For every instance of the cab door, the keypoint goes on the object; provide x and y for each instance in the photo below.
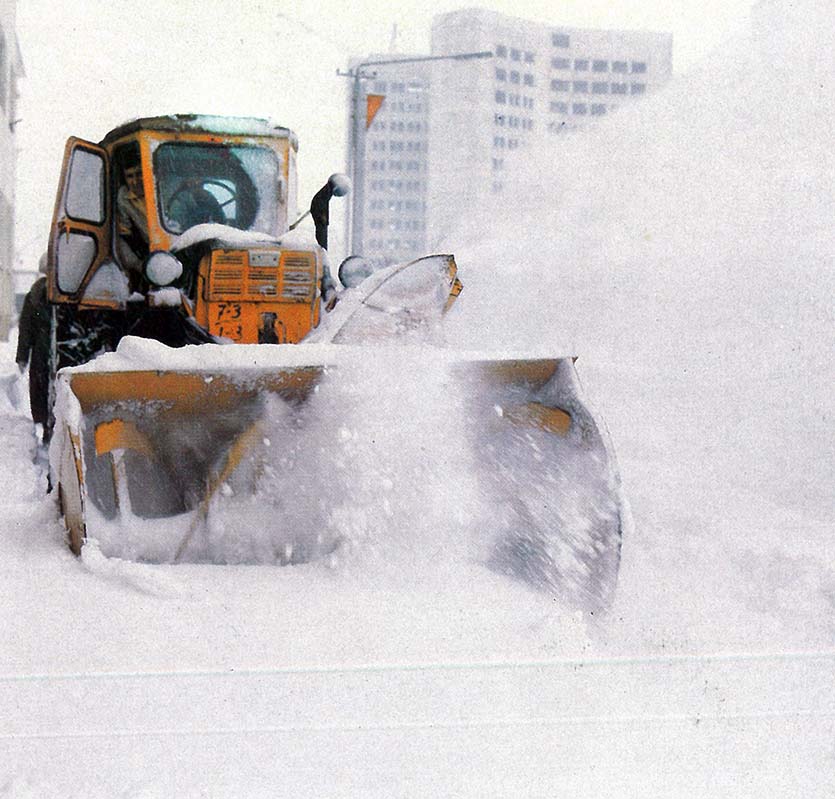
(81, 229)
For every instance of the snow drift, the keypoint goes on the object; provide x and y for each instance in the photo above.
(686, 247)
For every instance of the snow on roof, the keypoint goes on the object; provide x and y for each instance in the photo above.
(202, 123)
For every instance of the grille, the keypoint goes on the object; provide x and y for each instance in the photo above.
(226, 276)
(263, 281)
(259, 274)
(298, 271)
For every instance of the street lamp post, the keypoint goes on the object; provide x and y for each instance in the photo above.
(357, 134)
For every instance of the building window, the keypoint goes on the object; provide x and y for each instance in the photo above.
(579, 108)
(560, 63)
(501, 74)
(620, 66)
(501, 51)
(528, 79)
(600, 88)
(514, 76)
(581, 64)
(600, 66)
(581, 86)
(501, 97)
(560, 40)
(515, 55)
(559, 108)
(638, 88)
(619, 88)
(498, 163)
(557, 127)
(529, 57)
(560, 85)
(498, 141)
(598, 109)
(639, 67)
(527, 102)
(499, 119)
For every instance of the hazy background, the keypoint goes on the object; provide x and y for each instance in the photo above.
(92, 65)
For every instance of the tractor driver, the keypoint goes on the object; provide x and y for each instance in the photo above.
(131, 216)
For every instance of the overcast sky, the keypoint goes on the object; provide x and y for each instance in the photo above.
(93, 64)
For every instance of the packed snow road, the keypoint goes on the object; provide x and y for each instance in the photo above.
(446, 679)
(737, 726)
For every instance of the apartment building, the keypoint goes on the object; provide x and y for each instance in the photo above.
(544, 81)
(388, 121)
(476, 119)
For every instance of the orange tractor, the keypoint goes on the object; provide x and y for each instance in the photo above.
(181, 230)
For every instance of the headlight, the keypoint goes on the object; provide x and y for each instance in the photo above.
(353, 270)
(162, 268)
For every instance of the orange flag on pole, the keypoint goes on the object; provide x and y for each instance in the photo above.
(373, 103)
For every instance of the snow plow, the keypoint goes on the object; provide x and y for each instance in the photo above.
(219, 398)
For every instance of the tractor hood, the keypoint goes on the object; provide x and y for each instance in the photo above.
(227, 237)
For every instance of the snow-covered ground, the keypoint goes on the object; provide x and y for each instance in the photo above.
(694, 278)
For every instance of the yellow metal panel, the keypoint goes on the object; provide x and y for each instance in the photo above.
(238, 298)
(189, 392)
(119, 434)
(533, 414)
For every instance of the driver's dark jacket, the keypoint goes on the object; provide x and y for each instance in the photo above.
(33, 343)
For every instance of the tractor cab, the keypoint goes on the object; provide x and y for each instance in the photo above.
(198, 204)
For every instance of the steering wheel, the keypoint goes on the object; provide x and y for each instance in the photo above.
(191, 203)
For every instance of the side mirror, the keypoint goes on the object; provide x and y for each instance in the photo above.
(338, 185)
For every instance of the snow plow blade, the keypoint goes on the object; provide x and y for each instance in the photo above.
(153, 463)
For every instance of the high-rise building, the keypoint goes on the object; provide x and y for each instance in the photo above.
(11, 70)
(543, 82)
(452, 130)
(389, 132)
